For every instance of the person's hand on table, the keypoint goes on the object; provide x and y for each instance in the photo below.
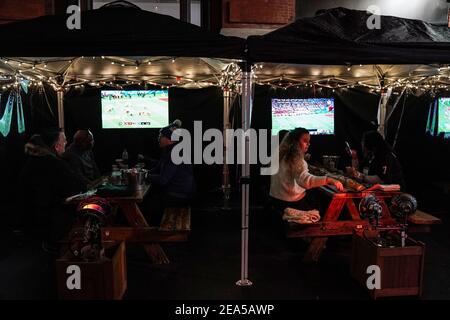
(351, 171)
(336, 183)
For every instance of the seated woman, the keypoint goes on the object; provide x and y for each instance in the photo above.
(288, 186)
(380, 164)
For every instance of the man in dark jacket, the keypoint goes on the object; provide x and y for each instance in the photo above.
(45, 181)
(80, 157)
(380, 164)
(172, 184)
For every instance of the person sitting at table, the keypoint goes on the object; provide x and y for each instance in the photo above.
(80, 157)
(172, 185)
(288, 187)
(45, 181)
(380, 165)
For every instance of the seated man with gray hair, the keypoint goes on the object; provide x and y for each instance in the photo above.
(80, 157)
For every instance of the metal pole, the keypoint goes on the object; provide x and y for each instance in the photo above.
(60, 98)
(185, 10)
(245, 176)
(385, 95)
(226, 188)
(205, 12)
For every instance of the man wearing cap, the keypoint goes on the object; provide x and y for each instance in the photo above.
(172, 184)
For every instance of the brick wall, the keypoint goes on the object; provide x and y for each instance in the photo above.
(15, 10)
(257, 13)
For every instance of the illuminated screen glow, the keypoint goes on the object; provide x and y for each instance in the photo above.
(123, 109)
(316, 115)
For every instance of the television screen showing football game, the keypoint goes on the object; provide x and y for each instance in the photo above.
(444, 115)
(123, 109)
(316, 115)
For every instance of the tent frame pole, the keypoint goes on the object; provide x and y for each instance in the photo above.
(245, 175)
(385, 95)
(60, 99)
(226, 187)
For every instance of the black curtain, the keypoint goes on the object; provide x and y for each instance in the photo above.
(39, 113)
(424, 158)
(83, 110)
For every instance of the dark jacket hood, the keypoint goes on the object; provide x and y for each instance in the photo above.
(37, 150)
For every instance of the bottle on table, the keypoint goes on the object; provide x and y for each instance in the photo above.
(125, 157)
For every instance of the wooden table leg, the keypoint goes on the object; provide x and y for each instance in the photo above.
(318, 244)
(133, 214)
(354, 213)
(136, 219)
(315, 249)
(156, 253)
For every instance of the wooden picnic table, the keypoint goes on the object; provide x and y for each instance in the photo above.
(138, 229)
(334, 223)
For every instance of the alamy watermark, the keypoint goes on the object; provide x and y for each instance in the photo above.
(374, 21)
(257, 142)
(374, 280)
(73, 281)
(74, 20)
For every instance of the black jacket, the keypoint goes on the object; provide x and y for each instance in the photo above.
(82, 163)
(387, 167)
(174, 179)
(45, 181)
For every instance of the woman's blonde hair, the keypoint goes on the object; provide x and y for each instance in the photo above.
(290, 152)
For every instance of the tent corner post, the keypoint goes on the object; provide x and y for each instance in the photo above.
(60, 100)
(245, 175)
(226, 187)
(382, 108)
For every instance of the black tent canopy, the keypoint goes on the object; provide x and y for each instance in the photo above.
(341, 36)
(115, 31)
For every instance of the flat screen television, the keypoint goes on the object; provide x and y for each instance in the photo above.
(444, 116)
(316, 115)
(129, 109)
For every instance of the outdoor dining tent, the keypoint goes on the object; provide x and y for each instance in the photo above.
(117, 45)
(338, 53)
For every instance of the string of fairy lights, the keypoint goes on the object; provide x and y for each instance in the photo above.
(39, 72)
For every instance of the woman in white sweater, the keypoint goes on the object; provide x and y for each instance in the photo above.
(288, 186)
